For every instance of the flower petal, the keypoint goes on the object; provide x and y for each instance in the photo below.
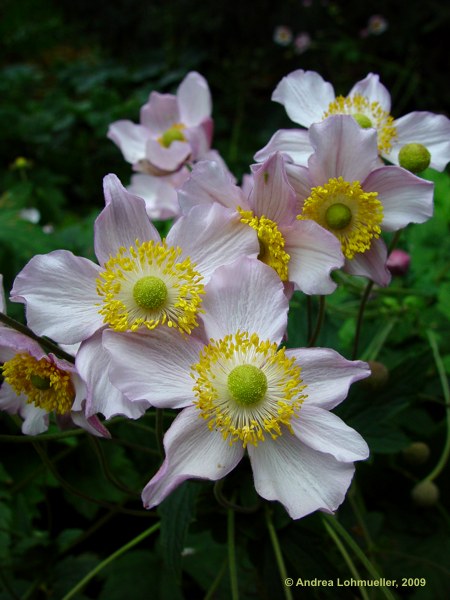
(327, 374)
(35, 420)
(59, 291)
(405, 197)
(245, 296)
(123, 220)
(212, 237)
(314, 253)
(373, 90)
(192, 451)
(323, 431)
(194, 99)
(371, 264)
(168, 159)
(428, 129)
(160, 113)
(301, 478)
(93, 363)
(2, 296)
(159, 195)
(342, 149)
(293, 142)
(305, 95)
(130, 138)
(154, 367)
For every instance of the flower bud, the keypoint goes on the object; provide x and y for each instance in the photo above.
(398, 262)
(417, 453)
(378, 377)
(425, 493)
(414, 157)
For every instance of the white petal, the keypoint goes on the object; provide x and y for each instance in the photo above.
(194, 99)
(301, 478)
(245, 296)
(123, 221)
(300, 179)
(35, 420)
(405, 197)
(212, 237)
(2, 296)
(342, 149)
(373, 90)
(305, 95)
(159, 195)
(371, 264)
(154, 367)
(327, 375)
(323, 431)
(428, 129)
(293, 142)
(314, 253)
(9, 400)
(93, 363)
(59, 290)
(192, 451)
(130, 138)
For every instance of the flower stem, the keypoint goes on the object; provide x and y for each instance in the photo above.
(278, 555)
(46, 344)
(359, 321)
(446, 391)
(80, 585)
(320, 317)
(232, 554)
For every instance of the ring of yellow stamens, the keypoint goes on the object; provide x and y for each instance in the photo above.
(173, 134)
(271, 242)
(246, 388)
(148, 285)
(345, 209)
(367, 114)
(44, 384)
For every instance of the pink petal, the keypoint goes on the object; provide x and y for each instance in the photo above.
(159, 195)
(160, 113)
(371, 264)
(314, 252)
(123, 221)
(293, 142)
(59, 291)
(194, 99)
(327, 375)
(371, 88)
(192, 452)
(302, 479)
(245, 296)
(130, 138)
(2, 296)
(305, 95)
(300, 179)
(168, 159)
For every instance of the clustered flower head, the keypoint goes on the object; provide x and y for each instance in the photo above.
(197, 321)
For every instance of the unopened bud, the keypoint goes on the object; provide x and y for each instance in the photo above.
(414, 157)
(378, 377)
(417, 453)
(425, 493)
(398, 262)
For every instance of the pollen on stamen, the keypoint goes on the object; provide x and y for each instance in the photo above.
(41, 381)
(247, 388)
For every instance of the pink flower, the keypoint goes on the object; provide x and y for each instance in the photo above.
(345, 190)
(398, 262)
(140, 282)
(309, 99)
(173, 129)
(302, 42)
(244, 393)
(300, 252)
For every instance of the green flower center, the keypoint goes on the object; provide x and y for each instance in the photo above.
(338, 216)
(174, 134)
(414, 157)
(247, 384)
(363, 120)
(40, 383)
(150, 292)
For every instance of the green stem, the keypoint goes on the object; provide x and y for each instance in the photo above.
(446, 391)
(232, 554)
(278, 554)
(159, 431)
(229, 504)
(46, 344)
(341, 531)
(43, 437)
(345, 555)
(106, 470)
(80, 585)
(215, 584)
(359, 321)
(320, 317)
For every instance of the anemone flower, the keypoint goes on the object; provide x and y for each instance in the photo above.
(246, 395)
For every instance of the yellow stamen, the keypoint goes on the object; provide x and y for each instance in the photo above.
(363, 213)
(44, 384)
(173, 134)
(271, 242)
(134, 269)
(365, 112)
(275, 401)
